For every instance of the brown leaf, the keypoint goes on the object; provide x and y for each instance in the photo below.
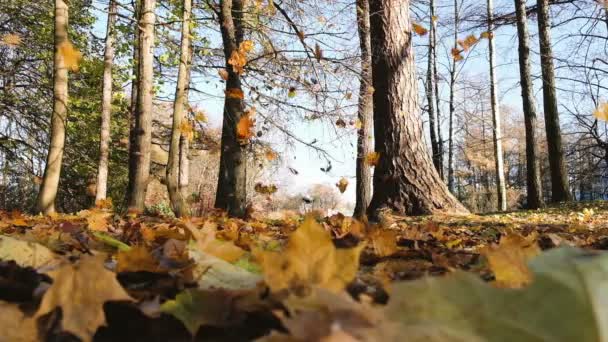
(80, 291)
(16, 326)
(342, 184)
(234, 93)
(419, 29)
(10, 39)
(318, 52)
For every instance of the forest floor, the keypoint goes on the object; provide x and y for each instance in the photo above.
(99, 276)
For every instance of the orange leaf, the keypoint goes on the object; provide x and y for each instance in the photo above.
(244, 129)
(342, 184)
(234, 93)
(270, 155)
(246, 46)
(238, 61)
(136, 259)
(223, 74)
(372, 158)
(71, 56)
(456, 54)
(419, 29)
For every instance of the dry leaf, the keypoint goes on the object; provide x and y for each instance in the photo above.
(419, 29)
(486, 35)
(318, 52)
(234, 93)
(223, 74)
(372, 159)
(601, 113)
(456, 54)
(341, 123)
(383, 241)
(97, 220)
(270, 155)
(342, 184)
(15, 325)
(238, 61)
(207, 242)
(265, 189)
(81, 291)
(508, 260)
(244, 128)
(71, 56)
(136, 259)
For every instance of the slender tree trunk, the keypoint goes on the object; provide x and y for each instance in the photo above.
(452, 104)
(134, 80)
(405, 180)
(533, 179)
(106, 105)
(559, 176)
(501, 189)
(430, 93)
(139, 159)
(232, 183)
(437, 97)
(178, 202)
(366, 108)
(52, 170)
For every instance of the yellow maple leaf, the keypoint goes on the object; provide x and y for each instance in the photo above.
(136, 259)
(372, 158)
(207, 242)
(200, 116)
(80, 291)
(11, 40)
(238, 62)
(309, 259)
(342, 184)
(71, 56)
(419, 29)
(601, 113)
(508, 260)
(358, 124)
(97, 219)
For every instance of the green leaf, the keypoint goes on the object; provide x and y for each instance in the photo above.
(110, 241)
(567, 301)
(197, 307)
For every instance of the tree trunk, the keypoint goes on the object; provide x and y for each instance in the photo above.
(52, 170)
(106, 105)
(405, 180)
(135, 73)
(559, 176)
(501, 189)
(366, 107)
(178, 202)
(452, 104)
(437, 97)
(430, 93)
(533, 179)
(139, 156)
(232, 183)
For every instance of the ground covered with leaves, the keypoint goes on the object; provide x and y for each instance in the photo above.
(98, 276)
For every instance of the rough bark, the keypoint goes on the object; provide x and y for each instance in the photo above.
(533, 180)
(557, 165)
(139, 156)
(106, 105)
(365, 112)
(501, 189)
(176, 153)
(405, 180)
(430, 93)
(52, 170)
(451, 183)
(232, 183)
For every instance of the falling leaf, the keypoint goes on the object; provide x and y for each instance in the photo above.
(265, 189)
(270, 155)
(187, 130)
(372, 159)
(348, 95)
(601, 113)
(11, 40)
(200, 116)
(246, 46)
(310, 258)
(456, 54)
(508, 260)
(468, 42)
(434, 18)
(244, 128)
(486, 35)
(341, 123)
(342, 184)
(358, 124)
(238, 61)
(292, 92)
(318, 52)
(419, 29)
(136, 259)
(71, 56)
(371, 90)
(234, 93)
(223, 74)
(80, 291)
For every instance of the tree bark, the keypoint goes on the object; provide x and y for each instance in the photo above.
(437, 97)
(52, 170)
(559, 176)
(176, 153)
(139, 156)
(430, 93)
(232, 183)
(106, 105)
(451, 184)
(405, 180)
(501, 189)
(365, 112)
(533, 180)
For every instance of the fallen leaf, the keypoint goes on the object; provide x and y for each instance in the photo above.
(207, 242)
(80, 291)
(26, 253)
(383, 241)
(508, 260)
(97, 220)
(15, 325)
(136, 259)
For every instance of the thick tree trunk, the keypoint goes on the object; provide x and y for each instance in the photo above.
(232, 183)
(559, 176)
(52, 170)
(451, 184)
(176, 154)
(430, 94)
(106, 105)
(501, 189)
(533, 180)
(405, 180)
(139, 156)
(366, 107)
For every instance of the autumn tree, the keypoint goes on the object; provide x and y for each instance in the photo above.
(232, 183)
(365, 112)
(559, 176)
(177, 154)
(106, 104)
(533, 178)
(405, 180)
(52, 171)
(139, 152)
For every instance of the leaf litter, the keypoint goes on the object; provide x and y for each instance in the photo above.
(98, 276)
